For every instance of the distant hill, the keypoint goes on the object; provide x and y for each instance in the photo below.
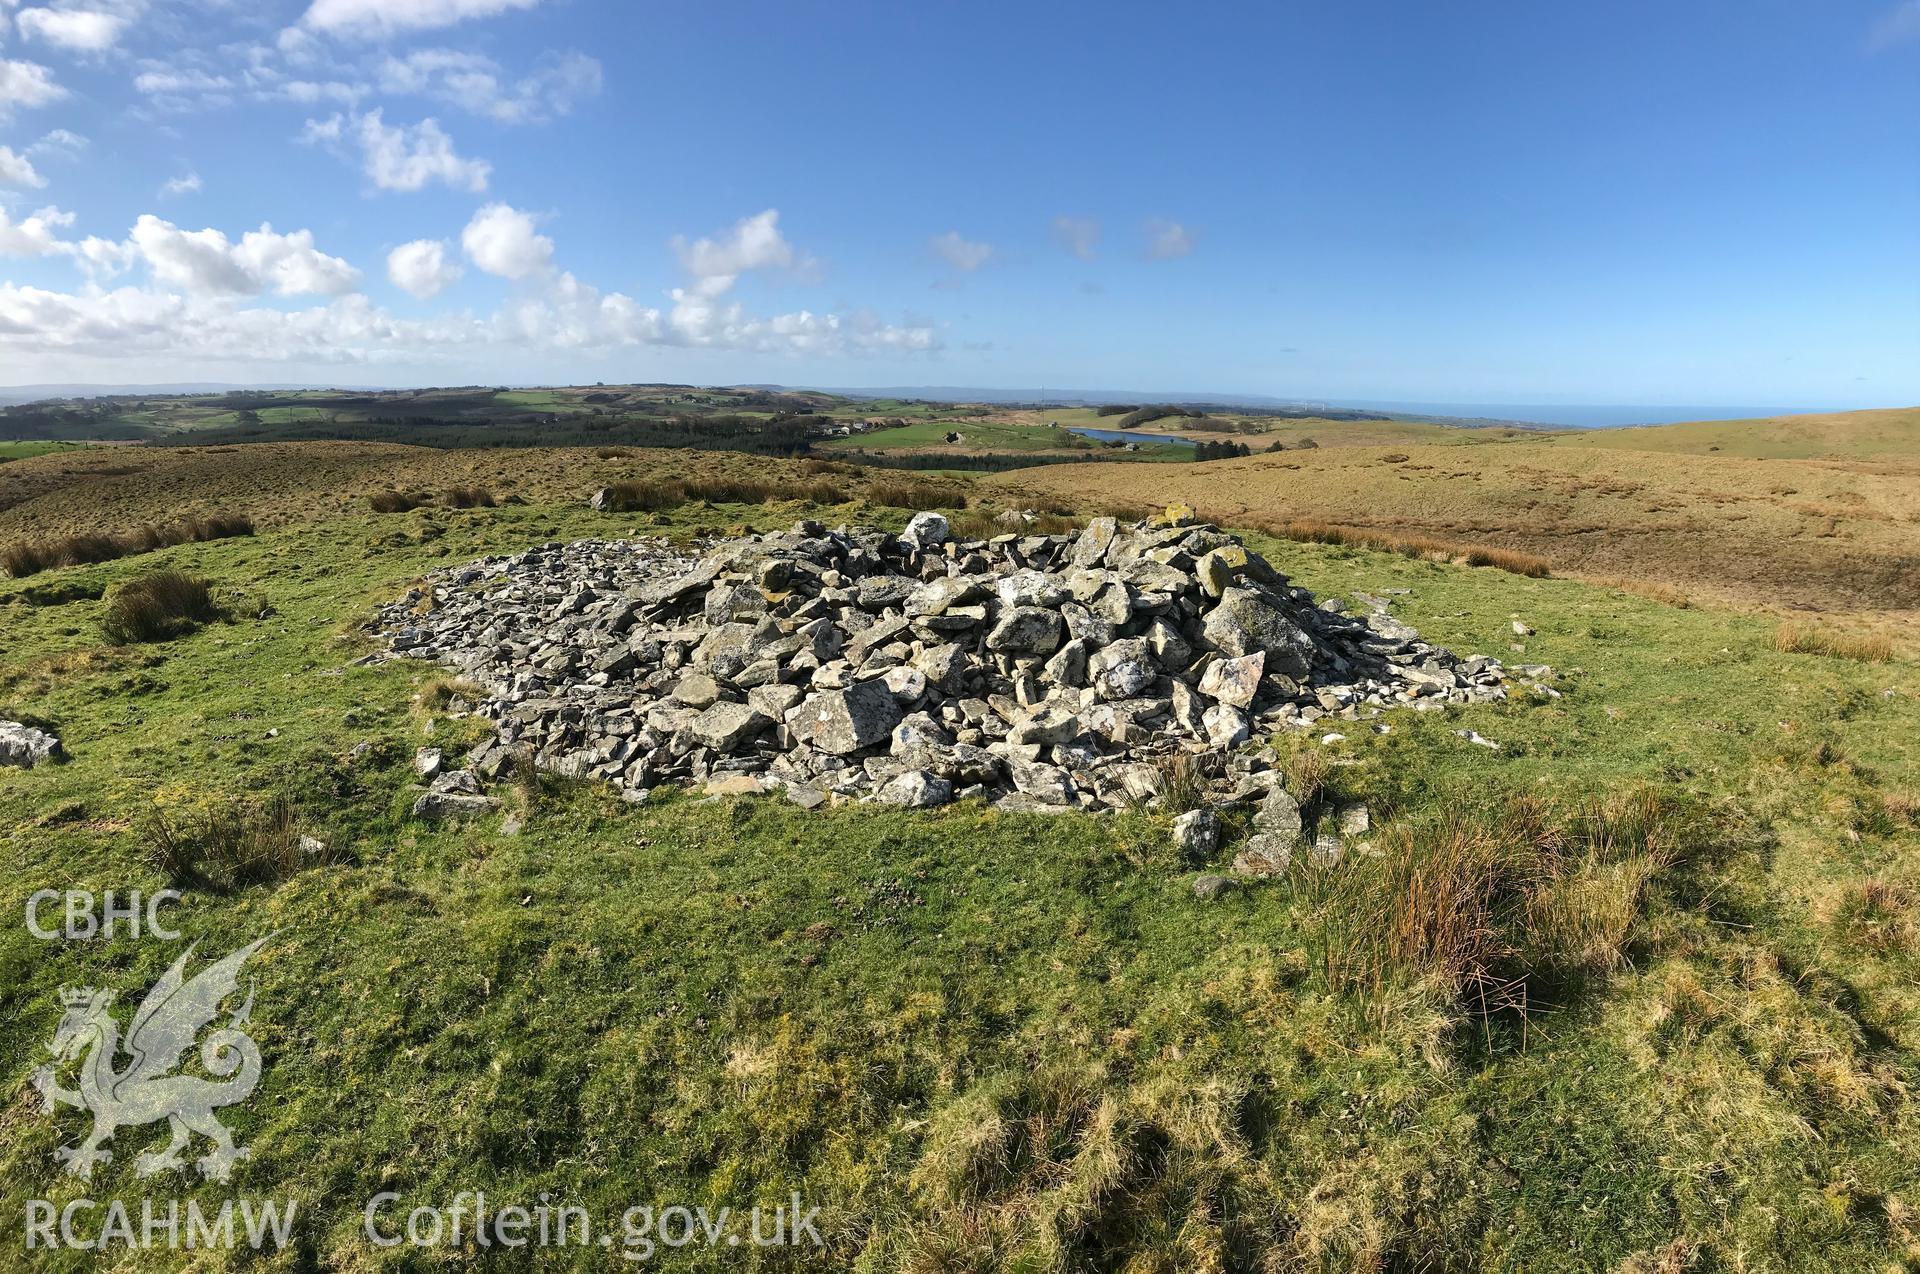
(41, 393)
(1083, 397)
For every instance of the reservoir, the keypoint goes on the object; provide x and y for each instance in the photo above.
(1116, 435)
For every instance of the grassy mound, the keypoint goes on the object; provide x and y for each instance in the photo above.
(1637, 989)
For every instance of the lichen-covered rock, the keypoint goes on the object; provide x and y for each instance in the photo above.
(1045, 783)
(725, 726)
(1279, 815)
(1234, 681)
(1263, 855)
(916, 789)
(841, 722)
(1245, 621)
(1122, 670)
(926, 529)
(1226, 726)
(1207, 888)
(1048, 723)
(696, 690)
(1026, 630)
(441, 806)
(1196, 834)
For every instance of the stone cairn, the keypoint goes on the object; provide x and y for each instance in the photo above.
(1035, 672)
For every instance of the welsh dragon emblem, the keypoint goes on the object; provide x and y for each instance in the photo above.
(145, 1090)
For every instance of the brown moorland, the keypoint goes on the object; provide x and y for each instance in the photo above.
(1833, 535)
(286, 483)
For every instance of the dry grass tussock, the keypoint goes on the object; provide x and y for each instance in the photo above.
(1314, 532)
(157, 607)
(30, 556)
(1806, 639)
(441, 689)
(228, 843)
(915, 493)
(460, 497)
(1183, 785)
(1880, 916)
(813, 482)
(661, 494)
(981, 522)
(1493, 908)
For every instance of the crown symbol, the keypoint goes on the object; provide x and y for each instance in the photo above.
(76, 997)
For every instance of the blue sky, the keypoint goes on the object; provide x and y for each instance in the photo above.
(1710, 202)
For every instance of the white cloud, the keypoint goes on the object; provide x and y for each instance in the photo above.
(754, 243)
(1897, 26)
(312, 91)
(1168, 240)
(126, 323)
(1078, 235)
(962, 254)
(701, 317)
(198, 261)
(291, 265)
(18, 170)
(476, 83)
(82, 30)
(328, 130)
(205, 263)
(502, 241)
(189, 184)
(60, 141)
(421, 268)
(375, 18)
(196, 307)
(569, 314)
(100, 258)
(116, 325)
(34, 235)
(396, 157)
(26, 84)
(160, 80)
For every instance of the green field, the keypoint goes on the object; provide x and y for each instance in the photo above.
(982, 1041)
(979, 436)
(20, 450)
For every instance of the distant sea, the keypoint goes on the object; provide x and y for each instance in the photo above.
(1578, 415)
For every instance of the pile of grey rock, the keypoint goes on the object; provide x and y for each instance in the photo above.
(23, 746)
(1036, 672)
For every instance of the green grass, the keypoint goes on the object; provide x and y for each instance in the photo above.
(539, 400)
(981, 1041)
(21, 450)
